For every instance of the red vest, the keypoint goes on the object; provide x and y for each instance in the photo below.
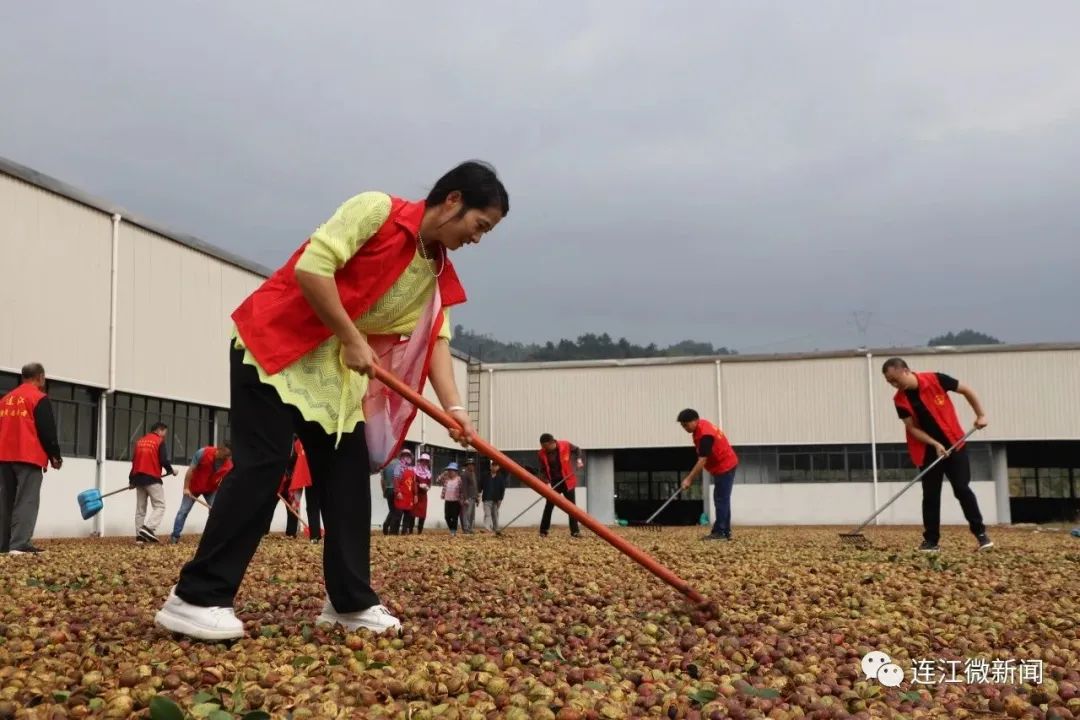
(278, 325)
(722, 458)
(405, 489)
(204, 478)
(419, 508)
(939, 406)
(146, 459)
(301, 474)
(18, 433)
(564, 463)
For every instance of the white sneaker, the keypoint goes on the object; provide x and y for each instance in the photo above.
(203, 623)
(376, 619)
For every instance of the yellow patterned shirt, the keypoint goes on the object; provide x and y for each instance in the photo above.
(317, 384)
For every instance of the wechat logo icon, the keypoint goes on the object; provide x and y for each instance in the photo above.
(878, 666)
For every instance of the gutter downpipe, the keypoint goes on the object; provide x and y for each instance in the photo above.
(103, 401)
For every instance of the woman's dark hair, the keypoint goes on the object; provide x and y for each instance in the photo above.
(478, 184)
(547, 437)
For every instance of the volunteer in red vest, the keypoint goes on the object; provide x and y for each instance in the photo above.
(404, 499)
(423, 486)
(208, 468)
(298, 479)
(556, 468)
(150, 457)
(718, 458)
(932, 427)
(28, 445)
(370, 286)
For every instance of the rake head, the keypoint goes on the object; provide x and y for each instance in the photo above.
(646, 525)
(856, 539)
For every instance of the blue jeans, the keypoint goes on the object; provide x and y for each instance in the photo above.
(721, 494)
(186, 503)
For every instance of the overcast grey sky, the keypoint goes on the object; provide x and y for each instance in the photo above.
(746, 173)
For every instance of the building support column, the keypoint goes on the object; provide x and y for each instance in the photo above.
(999, 471)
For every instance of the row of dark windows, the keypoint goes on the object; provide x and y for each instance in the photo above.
(793, 464)
(128, 417)
(1059, 482)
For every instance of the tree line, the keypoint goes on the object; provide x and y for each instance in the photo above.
(592, 346)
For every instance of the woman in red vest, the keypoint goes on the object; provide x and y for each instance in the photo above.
(555, 460)
(404, 499)
(423, 485)
(208, 468)
(28, 445)
(715, 455)
(932, 427)
(371, 286)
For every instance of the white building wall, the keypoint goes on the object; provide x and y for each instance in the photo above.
(54, 284)
(1027, 395)
(599, 407)
(846, 504)
(796, 401)
(173, 327)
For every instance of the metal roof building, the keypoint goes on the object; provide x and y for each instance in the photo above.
(131, 321)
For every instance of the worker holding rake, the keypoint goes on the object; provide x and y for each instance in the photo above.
(715, 455)
(932, 427)
(368, 290)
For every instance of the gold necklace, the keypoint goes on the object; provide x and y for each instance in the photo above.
(423, 251)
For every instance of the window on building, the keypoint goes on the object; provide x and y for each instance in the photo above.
(131, 416)
(74, 410)
(1023, 482)
(224, 430)
(894, 464)
(632, 484)
(8, 382)
(794, 466)
(1054, 482)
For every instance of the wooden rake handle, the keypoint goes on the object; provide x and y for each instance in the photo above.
(629, 549)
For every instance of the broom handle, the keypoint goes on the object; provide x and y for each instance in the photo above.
(114, 492)
(633, 552)
(293, 511)
(665, 504)
(915, 480)
(530, 506)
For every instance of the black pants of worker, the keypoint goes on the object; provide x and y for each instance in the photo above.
(956, 467)
(292, 523)
(451, 511)
(391, 514)
(545, 521)
(262, 429)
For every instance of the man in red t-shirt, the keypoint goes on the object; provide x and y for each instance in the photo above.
(932, 427)
(715, 455)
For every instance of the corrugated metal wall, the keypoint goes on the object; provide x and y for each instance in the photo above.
(54, 282)
(811, 401)
(1030, 395)
(796, 401)
(172, 320)
(600, 407)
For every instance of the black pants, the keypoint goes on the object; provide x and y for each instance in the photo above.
(388, 495)
(314, 526)
(451, 511)
(262, 429)
(419, 526)
(545, 521)
(957, 467)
